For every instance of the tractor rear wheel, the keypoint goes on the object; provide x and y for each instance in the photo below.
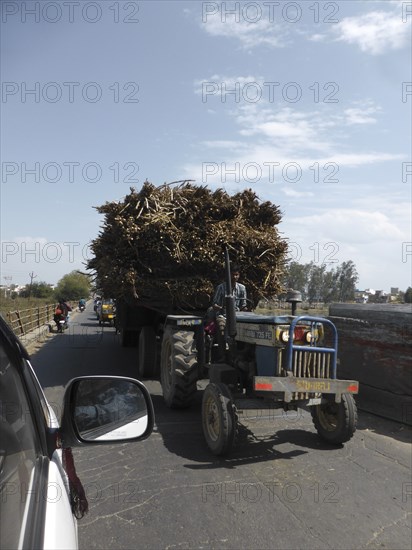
(147, 355)
(336, 422)
(178, 368)
(219, 418)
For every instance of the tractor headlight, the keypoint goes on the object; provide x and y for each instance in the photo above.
(312, 336)
(284, 336)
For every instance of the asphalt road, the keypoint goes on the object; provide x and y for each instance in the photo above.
(282, 488)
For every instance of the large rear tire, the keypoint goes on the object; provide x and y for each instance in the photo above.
(219, 419)
(336, 422)
(178, 368)
(147, 355)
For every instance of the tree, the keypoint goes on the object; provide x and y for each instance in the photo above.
(408, 295)
(330, 290)
(37, 290)
(296, 277)
(347, 277)
(316, 282)
(73, 286)
(319, 285)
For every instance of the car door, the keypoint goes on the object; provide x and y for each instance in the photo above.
(34, 507)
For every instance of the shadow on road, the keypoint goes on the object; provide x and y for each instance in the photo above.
(182, 434)
(81, 350)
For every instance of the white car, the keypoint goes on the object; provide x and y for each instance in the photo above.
(37, 497)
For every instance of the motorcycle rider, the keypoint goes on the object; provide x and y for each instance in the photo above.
(82, 304)
(62, 313)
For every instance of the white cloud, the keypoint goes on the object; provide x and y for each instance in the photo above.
(248, 32)
(222, 144)
(47, 260)
(375, 32)
(286, 130)
(372, 239)
(317, 38)
(217, 84)
(361, 115)
(351, 226)
(335, 217)
(296, 194)
(360, 159)
(290, 136)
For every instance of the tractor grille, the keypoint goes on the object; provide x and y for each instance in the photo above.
(311, 364)
(306, 365)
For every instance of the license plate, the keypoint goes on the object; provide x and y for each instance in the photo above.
(312, 386)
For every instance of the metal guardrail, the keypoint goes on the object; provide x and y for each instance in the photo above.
(27, 320)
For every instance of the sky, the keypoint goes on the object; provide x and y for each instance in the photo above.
(308, 103)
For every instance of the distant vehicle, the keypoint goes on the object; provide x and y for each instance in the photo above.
(97, 302)
(35, 500)
(106, 312)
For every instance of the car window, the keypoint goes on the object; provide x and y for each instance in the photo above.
(19, 449)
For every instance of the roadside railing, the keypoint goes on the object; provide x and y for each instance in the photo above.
(27, 320)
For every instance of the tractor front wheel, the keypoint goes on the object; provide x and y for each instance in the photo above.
(336, 422)
(219, 418)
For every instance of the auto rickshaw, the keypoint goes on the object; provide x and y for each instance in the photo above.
(107, 312)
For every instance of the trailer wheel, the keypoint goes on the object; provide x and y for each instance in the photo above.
(147, 355)
(219, 419)
(336, 422)
(178, 368)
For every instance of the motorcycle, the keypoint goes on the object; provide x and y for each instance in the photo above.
(82, 307)
(61, 322)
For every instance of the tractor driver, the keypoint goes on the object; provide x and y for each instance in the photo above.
(218, 307)
(238, 290)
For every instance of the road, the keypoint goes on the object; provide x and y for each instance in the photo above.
(282, 488)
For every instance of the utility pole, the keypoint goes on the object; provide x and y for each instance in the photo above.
(7, 286)
(32, 276)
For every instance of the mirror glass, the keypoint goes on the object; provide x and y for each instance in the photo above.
(108, 409)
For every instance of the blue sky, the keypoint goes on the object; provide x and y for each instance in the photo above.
(308, 103)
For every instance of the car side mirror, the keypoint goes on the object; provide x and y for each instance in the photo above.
(106, 409)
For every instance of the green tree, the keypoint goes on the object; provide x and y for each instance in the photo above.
(39, 289)
(330, 288)
(73, 286)
(316, 282)
(346, 279)
(296, 276)
(408, 295)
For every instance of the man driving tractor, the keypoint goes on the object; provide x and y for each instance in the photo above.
(218, 307)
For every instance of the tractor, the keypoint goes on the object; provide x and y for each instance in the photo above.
(271, 362)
